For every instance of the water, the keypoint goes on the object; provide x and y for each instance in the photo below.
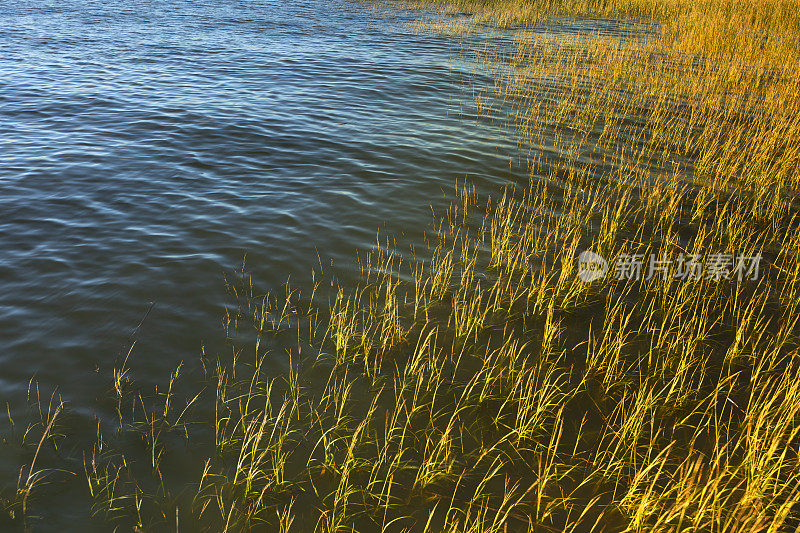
(146, 147)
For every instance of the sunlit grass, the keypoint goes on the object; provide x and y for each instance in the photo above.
(489, 388)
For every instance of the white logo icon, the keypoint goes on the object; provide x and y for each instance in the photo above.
(591, 266)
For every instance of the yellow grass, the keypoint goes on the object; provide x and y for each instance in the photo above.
(490, 388)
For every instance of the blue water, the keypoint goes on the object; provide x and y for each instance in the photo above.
(147, 147)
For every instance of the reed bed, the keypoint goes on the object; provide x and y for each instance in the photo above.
(488, 386)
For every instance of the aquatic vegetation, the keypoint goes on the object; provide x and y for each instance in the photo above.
(492, 387)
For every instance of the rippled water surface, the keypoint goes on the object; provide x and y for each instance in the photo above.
(146, 147)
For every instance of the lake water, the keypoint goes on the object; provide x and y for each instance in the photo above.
(148, 146)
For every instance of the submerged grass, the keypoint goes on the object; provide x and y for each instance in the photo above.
(490, 388)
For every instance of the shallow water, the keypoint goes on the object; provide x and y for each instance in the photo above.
(147, 147)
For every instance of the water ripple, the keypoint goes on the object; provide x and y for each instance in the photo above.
(148, 145)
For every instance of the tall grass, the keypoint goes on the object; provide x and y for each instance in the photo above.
(490, 388)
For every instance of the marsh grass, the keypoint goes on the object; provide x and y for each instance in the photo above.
(486, 387)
